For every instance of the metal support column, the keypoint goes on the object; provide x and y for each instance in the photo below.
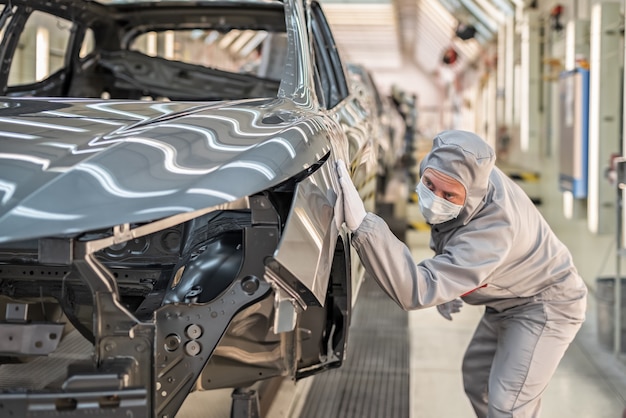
(245, 404)
(620, 169)
(617, 306)
(605, 113)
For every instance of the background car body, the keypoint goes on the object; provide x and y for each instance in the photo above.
(388, 122)
(192, 240)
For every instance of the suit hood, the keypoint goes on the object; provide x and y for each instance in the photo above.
(467, 158)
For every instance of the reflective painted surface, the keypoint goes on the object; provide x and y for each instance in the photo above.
(97, 164)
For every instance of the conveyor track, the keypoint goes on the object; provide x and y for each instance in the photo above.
(374, 379)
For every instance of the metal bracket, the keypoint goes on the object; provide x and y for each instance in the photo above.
(187, 335)
(76, 403)
(286, 313)
(29, 339)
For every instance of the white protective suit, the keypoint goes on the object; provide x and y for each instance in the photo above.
(501, 253)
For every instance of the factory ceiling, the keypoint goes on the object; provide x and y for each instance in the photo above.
(386, 35)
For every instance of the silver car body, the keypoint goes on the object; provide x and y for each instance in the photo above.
(193, 244)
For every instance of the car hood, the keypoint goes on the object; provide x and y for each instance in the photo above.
(70, 166)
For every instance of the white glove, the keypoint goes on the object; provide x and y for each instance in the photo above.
(339, 208)
(353, 208)
(447, 309)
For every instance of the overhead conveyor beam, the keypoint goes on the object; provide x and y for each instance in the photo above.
(459, 7)
(504, 6)
(436, 13)
(478, 13)
(498, 15)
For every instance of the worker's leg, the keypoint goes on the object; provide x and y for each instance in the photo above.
(477, 364)
(531, 342)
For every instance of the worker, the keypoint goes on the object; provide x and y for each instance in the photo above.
(491, 247)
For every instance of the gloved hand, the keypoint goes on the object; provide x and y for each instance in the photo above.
(447, 309)
(353, 208)
(339, 208)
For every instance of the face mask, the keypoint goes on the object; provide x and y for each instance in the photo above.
(435, 209)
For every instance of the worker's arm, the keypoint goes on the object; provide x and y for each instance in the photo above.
(388, 259)
(459, 269)
(465, 263)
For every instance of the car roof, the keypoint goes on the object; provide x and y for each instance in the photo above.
(129, 6)
(159, 3)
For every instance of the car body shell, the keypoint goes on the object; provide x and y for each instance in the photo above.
(388, 122)
(195, 244)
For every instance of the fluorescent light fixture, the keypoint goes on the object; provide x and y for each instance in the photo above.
(151, 47)
(568, 204)
(42, 53)
(525, 92)
(593, 170)
(169, 45)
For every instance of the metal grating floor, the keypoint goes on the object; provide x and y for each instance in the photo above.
(40, 372)
(373, 382)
